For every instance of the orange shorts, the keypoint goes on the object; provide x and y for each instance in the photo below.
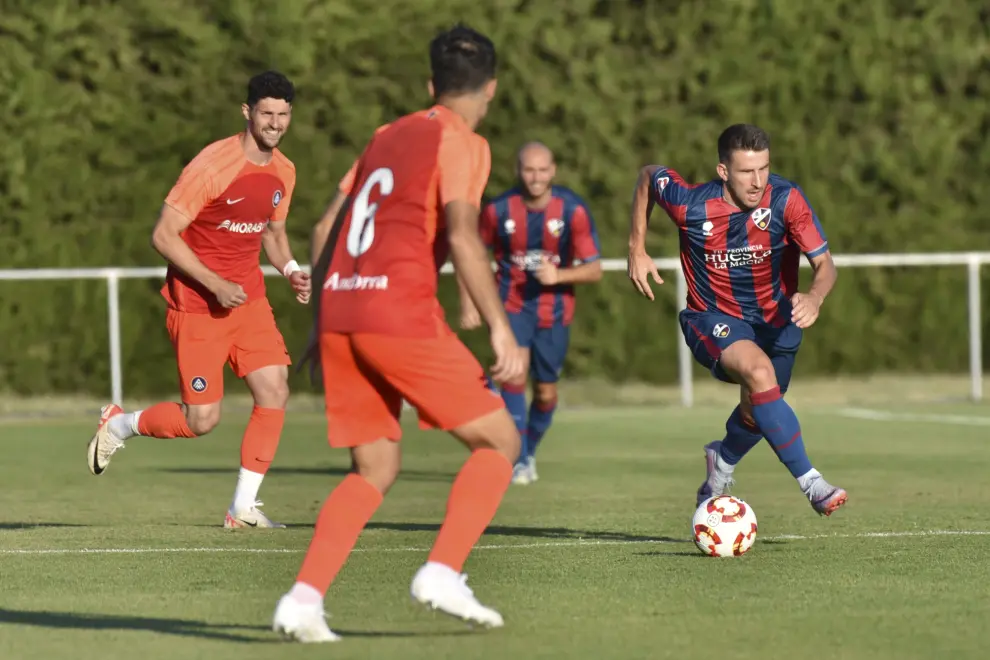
(247, 338)
(366, 377)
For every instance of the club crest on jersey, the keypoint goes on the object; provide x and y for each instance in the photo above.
(276, 198)
(721, 330)
(198, 384)
(662, 182)
(510, 226)
(761, 218)
(555, 226)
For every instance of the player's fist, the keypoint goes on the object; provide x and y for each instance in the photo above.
(546, 273)
(640, 266)
(470, 317)
(302, 285)
(804, 309)
(510, 359)
(230, 295)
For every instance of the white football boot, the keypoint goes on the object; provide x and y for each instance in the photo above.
(302, 622)
(252, 517)
(104, 442)
(718, 474)
(441, 588)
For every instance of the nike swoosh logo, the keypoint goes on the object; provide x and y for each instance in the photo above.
(234, 201)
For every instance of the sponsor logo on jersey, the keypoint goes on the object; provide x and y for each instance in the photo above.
(242, 227)
(356, 282)
(738, 257)
(533, 259)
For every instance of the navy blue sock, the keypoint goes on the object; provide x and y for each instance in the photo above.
(540, 418)
(781, 428)
(740, 437)
(515, 402)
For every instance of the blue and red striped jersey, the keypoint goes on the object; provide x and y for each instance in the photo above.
(740, 263)
(520, 236)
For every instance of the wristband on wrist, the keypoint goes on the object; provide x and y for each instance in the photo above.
(291, 268)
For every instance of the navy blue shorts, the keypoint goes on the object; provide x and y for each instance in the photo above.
(547, 346)
(709, 333)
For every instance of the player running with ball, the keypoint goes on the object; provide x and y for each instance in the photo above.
(741, 238)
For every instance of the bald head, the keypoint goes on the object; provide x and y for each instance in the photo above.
(536, 169)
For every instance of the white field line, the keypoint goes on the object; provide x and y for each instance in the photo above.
(500, 546)
(884, 416)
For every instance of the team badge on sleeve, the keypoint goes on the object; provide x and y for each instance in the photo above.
(276, 198)
(721, 330)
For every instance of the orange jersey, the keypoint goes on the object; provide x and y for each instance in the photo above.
(230, 201)
(382, 278)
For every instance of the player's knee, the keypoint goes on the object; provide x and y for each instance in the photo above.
(750, 365)
(378, 463)
(494, 431)
(203, 419)
(277, 395)
(379, 475)
(545, 394)
(760, 376)
(270, 387)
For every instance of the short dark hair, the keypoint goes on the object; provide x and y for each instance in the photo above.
(270, 85)
(741, 137)
(462, 60)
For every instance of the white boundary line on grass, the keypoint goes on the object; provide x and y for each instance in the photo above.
(500, 546)
(885, 416)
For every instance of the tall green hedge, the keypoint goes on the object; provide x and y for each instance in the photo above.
(877, 108)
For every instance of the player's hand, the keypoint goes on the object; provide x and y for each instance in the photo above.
(470, 317)
(547, 273)
(510, 359)
(640, 266)
(230, 295)
(804, 309)
(302, 285)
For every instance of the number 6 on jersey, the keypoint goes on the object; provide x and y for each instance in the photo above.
(361, 234)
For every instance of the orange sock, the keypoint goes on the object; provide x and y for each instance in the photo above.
(261, 438)
(164, 420)
(474, 499)
(341, 520)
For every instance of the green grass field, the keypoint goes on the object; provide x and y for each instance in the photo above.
(593, 561)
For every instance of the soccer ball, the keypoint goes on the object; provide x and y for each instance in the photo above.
(724, 526)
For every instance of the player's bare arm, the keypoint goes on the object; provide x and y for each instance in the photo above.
(470, 316)
(166, 239)
(805, 306)
(550, 275)
(640, 265)
(275, 242)
(321, 231)
(470, 258)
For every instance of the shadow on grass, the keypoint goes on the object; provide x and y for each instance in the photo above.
(327, 471)
(185, 627)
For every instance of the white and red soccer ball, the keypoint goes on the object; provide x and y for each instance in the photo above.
(724, 526)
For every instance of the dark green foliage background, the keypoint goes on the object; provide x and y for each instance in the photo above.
(878, 109)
